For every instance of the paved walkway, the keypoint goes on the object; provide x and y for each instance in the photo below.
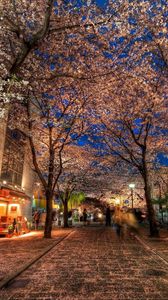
(92, 263)
(17, 251)
(157, 244)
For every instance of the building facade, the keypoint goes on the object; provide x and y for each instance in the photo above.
(16, 177)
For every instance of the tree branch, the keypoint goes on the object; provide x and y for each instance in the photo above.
(27, 46)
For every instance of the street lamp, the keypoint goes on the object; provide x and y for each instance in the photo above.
(132, 186)
(117, 201)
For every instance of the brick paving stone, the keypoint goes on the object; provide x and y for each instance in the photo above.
(92, 263)
(158, 244)
(15, 252)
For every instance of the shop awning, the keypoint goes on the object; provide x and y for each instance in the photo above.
(9, 193)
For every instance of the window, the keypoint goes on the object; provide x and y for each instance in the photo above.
(13, 208)
(13, 158)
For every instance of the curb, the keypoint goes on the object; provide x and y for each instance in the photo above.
(6, 281)
(148, 248)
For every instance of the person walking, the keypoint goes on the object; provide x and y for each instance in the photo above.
(108, 216)
(15, 229)
(118, 221)
(36, 219)
(131, 222)
(85, 217)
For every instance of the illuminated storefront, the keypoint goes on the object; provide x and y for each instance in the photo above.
(15, 207)
(16, 181)
(13, 204)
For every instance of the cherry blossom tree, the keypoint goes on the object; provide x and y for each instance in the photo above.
(58, 39)
(55, 39)
(160, 181)
(51, 124)
(133, 130)
(68, 196)
(52, 45)
(42, 42)
(73, 175)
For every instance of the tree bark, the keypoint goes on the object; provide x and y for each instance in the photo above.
(48, 222)
(27, 46)
(151, 213)
(65, 203)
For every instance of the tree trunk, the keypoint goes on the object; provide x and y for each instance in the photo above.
(48, 222)
(65, 203)
(151, 213)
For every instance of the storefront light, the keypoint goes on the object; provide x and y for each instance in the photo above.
(4, 182)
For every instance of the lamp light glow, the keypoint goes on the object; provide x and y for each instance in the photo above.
(132, 185)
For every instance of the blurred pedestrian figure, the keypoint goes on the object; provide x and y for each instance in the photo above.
(85, 217)
(131, 221)
(36, 219)
(108, 216)
(118, 221)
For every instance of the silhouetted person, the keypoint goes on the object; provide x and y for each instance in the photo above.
(15, 226)
(36, 219)
(138, 215)
(54, 215)
(84, 216)
(108, 216)
(69, 214)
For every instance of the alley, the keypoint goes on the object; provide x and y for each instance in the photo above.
(93, 263)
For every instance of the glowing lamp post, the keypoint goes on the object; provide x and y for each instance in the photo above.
(117, 202)
(132, 186)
